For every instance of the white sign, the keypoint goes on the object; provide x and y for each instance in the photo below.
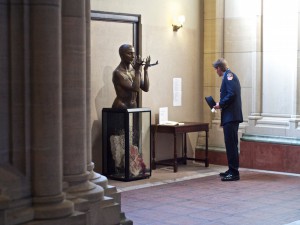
(177, 91)
(163, 115)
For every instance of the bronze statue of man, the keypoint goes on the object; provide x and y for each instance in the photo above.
(127, 78)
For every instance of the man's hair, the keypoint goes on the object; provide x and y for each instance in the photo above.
(123, 48)
(222, 63)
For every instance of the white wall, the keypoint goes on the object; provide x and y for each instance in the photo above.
(280, 55)
(178, 53)
(279, 97)
(259, 39)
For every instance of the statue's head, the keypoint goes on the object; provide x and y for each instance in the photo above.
(127, 52)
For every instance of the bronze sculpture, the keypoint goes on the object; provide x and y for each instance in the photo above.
(127, 77)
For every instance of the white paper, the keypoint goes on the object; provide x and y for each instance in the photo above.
(163, 115)
(177, 91)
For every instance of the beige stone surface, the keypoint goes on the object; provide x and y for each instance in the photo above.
(213, 35)
(240, 35)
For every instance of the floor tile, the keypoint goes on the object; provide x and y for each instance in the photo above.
(199, 197)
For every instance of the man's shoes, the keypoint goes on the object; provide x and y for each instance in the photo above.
(224, 174)
(230, 177)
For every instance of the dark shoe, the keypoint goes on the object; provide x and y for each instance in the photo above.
(230, 177)
(224, 174)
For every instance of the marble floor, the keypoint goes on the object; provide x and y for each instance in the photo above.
(195, 195)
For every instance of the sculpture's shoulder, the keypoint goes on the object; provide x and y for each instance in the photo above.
(118, 71)
(120, 74)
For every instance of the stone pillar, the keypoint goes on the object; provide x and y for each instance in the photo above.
(75, 105)
(18, 73)
(295, 117)
(4, 84)
(90, 165)
(275, 112)
(213, 49)
(256, 107)
(94, 177)
(46, 115)
(15, 189)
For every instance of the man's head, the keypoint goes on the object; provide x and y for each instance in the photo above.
(127, 53)
(220, 66)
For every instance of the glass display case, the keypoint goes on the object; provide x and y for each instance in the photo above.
(126, 143)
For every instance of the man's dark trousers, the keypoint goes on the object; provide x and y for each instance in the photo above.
(231, 143)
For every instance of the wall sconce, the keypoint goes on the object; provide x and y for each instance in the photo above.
(180, 20)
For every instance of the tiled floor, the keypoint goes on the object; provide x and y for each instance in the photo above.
(196, 196)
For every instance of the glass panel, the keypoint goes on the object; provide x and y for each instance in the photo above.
(139, 152)
(145, 140)
(116, 143)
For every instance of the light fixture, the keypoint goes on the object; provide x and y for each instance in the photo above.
(180, 20)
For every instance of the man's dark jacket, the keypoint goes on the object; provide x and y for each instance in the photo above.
(230, 99)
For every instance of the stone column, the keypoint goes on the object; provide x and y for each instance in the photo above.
(90, 164)
(214, 22)
(15, 189)
(257, 70)
(295, 117)
(94, 177)
(4, 84)
(46, 115)
(75, 104)
(18, 71)
(213, 49)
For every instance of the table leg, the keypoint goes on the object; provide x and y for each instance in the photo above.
(184, 148)
(153, 150)
(175, 155)
(206, 149)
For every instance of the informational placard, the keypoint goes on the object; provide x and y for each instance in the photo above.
(163, 115)
(177, 91)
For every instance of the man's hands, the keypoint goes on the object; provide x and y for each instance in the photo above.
(217, 106)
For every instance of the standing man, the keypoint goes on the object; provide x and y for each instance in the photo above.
(127, 78)
(231, 116)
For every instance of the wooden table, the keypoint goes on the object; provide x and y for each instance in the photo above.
(187, 127)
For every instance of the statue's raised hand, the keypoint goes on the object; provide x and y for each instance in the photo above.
(137, 63)
(147, 63)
